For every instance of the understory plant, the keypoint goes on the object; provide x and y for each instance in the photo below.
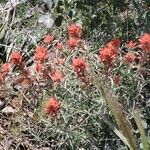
(79, 98)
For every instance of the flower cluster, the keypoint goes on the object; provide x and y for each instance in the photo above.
(5, 68)
(145, 42)
(40, 54)
(48, 62)
(48, 39)
(16, 57)
(59, 46)
(74, 32)
(79, 66)
(131, 44)
(52, 107)
(72, 42)
(109, 53)
(57, 76)
(114, 43)
(106, 55)
(129, 57)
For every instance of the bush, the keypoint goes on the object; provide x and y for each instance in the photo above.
(77, 79)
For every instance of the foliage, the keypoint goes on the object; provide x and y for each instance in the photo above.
(72, 78)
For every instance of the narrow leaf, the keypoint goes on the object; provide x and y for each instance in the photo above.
(138, 121)
(118, 112)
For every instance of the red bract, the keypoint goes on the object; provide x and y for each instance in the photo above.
(40, 54)
(57, 76)
(39, 67)
(107, 55)
(131, 44)
(112, 47)
(61, 61)
(129, 57)
(72, 42)
(79, 65)
(74, 30)
(114, 43)
(53, 107)
(59, 46)
(16, 57)
(5, 68)
(145, 42)
(48, 39)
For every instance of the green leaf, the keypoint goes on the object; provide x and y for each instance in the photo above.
(59, 20)
(118, 112)
(138, 121)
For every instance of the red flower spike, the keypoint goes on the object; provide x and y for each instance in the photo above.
(40, 54)
(107, 55)
(53, 107)
(79, 65)
(129, 57)
(72, 42)
(5, 68)
(145, 42)
(114, 43)
(39, 67)
(16, 57)
(113, 46)
(74, 30)
(48, 39)
(59, 46)
(57, 76)
(131, 44)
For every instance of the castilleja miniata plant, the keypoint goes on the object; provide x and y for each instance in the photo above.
(52, 86)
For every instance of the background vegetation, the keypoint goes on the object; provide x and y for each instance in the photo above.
(100, 115)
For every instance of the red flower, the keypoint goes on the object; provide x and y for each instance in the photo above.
(59, 46)
(129, 57)
(107, 55)
(61, 61)
(131, 44)
(57, 76)
(74, 30)
(72, 42)
(39, 67)
(48, 39)
(79, 65)
(40, 54)
(16, 57)
(145, 42)
(5, 67)
(53, 107)
(114, 43)
(112, 47)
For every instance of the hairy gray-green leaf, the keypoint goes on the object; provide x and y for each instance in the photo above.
(46, 20)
